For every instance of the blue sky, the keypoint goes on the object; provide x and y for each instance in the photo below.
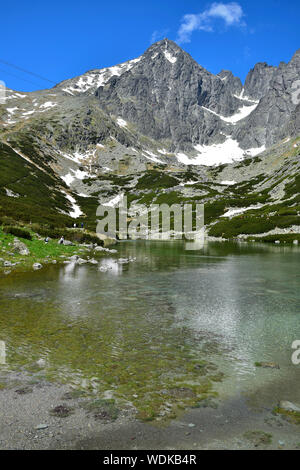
(62, 39)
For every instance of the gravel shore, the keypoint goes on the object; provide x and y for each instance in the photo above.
(27, 423)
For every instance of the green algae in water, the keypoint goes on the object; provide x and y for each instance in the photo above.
(143, 361)
(289, 415)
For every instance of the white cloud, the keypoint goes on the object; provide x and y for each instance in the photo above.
(157, 35)
(231, 13)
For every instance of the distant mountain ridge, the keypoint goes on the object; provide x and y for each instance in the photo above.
(168, 95)
(92, 136)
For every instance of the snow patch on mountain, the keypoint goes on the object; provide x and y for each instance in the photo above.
(115, 201)
(151, 156)
(78, 157)
(76, 211)
(242, 96)
(76, 174)
(218, 154)
(94, 79)
(170, 57)
(228, 183)
(243, 112)
(48, 104)
(240, 210)
(255, 151)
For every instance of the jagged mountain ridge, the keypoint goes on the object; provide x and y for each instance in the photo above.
(160, 112)
(165, 96)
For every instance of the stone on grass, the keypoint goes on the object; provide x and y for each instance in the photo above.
(20, 247)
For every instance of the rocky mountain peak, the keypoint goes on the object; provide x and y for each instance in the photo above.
(167, 50)
(165, 44)
(165, 100)
(258, 80)
(296, 57)
(233, 82)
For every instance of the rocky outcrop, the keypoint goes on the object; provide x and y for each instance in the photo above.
(258, 81)
(233, 82)
(278, 110)
(167, 95)
(20, 247)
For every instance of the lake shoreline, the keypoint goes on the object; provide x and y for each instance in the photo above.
(27, 423)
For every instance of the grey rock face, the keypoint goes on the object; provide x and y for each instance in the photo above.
(165, 95)
(116, 119)
(258, 80)
(233, 82)
(277, 110)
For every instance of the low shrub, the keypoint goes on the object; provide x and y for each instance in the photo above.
(78, 236)
(18, 232)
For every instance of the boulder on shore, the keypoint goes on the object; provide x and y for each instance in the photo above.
(20, 247)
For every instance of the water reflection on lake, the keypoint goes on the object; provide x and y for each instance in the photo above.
(143, 326)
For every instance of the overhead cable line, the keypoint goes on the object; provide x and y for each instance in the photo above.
(19, 78)
(26, 71)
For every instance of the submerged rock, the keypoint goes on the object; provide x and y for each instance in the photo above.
(74, 258)
(289, 406)
(267, 365)
(81, 261)
(7, 264)
(103, 269)
(99, 248)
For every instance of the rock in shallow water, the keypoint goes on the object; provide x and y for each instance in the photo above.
(81, 261)
(267, 365)
(37, 266)
(289, 406)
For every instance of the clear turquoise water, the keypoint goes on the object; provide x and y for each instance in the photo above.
(140, 330)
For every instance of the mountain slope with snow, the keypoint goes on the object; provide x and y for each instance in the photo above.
(99, 133)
